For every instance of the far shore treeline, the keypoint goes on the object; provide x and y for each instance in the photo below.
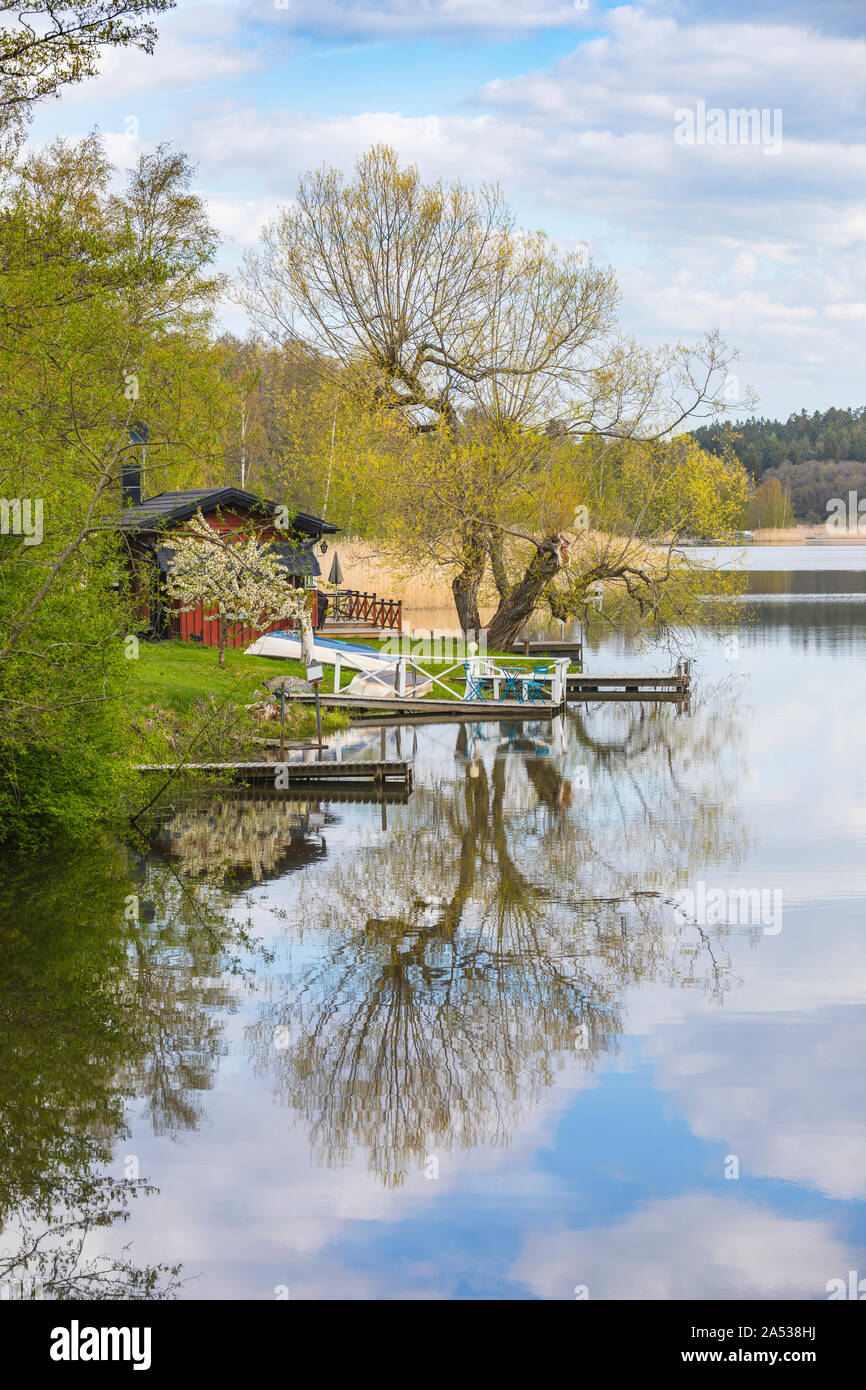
(806, 459)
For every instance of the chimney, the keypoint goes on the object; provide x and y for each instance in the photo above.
(132, 469)
(130, 483)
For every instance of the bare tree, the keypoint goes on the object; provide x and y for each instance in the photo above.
(430, 306)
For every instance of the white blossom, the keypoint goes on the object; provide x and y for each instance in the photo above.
(239, 580)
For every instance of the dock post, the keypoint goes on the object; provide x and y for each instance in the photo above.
(559, 684)
(337, 673)
(401, 677)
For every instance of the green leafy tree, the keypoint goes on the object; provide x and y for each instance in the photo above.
(49, 44)
(105, 303)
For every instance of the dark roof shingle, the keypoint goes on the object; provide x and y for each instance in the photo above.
(167, 508)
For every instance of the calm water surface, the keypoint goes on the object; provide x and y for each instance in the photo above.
(490, 1041)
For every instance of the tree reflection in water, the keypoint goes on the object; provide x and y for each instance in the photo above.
(463, 957)
(492, 932)
(112, 988)
(242, 838)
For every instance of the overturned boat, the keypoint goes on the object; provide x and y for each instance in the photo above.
(378, 670)
(325, 650)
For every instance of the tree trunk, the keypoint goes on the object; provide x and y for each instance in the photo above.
(466, 584)
(223, 636)
(497, 563)
(518, 606)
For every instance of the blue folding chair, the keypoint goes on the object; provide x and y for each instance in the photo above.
(474, 684)
(536, 688)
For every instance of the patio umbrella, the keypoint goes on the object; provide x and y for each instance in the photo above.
(335, 574)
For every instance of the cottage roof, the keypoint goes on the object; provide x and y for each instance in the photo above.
(171, 508)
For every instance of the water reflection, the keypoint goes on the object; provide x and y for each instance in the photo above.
(242, 838)
(115, 979)
(495, 928)
(495, 975)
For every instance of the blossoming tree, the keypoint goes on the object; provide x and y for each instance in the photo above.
(237, 580)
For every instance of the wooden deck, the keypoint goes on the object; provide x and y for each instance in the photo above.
(461, 709)
(310, 793)
(627, 687)
(552, 648)
(379, 774)
(591, 685)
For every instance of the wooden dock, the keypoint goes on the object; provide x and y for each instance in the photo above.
(334, 793)
(579, 687)
(589, 686)
(282, 774)
(423, 705)
(551, 648)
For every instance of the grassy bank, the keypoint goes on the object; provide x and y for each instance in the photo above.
(175, 675)
(182, 703)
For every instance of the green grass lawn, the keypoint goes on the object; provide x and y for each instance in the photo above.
(174, 675)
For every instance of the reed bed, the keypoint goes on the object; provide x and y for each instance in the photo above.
(796, 535)
(427, 598)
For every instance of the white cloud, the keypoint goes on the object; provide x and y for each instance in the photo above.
(644, 67)
(769, 1092)
(770, 250)
(240, 220)
(199, 47)
(687, 1247)
(847, 311)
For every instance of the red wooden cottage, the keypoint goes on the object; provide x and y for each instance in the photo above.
(147, 526)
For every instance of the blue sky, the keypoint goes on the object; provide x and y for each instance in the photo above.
(571, 108)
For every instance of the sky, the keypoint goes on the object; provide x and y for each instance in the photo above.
(602, 122)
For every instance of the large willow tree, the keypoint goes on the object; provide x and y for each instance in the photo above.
(487, 356)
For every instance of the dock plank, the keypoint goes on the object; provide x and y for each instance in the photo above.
(396, 770)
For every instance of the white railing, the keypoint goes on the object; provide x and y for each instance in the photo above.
(401, 667)
(475, 669)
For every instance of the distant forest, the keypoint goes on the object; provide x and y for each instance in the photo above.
(814, 457)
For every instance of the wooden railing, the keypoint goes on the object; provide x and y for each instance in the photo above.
(351, 606)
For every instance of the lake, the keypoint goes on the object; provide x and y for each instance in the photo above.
(583, 1015)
